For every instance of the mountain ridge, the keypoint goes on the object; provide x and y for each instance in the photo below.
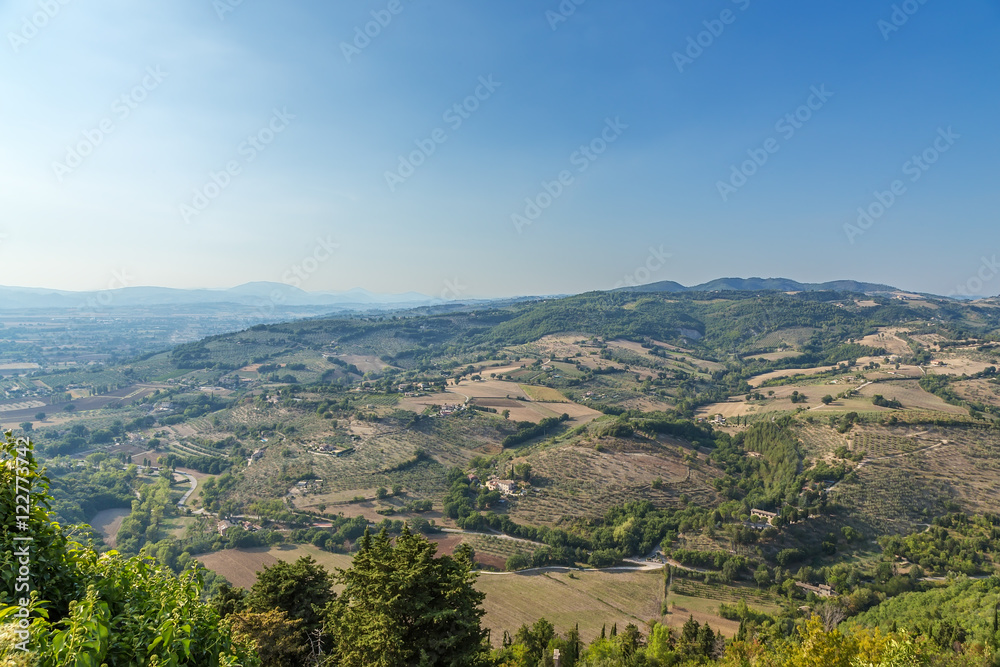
(755, 284)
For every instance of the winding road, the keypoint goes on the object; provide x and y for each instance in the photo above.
(194, 485)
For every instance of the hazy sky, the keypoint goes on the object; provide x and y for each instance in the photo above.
(205, 143)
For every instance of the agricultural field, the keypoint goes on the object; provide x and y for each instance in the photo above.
(543, 394)
(888, 339)
(107, 523)
(383, 455)
(559, 345)
(593, 599)
(758, 380)
(912, 396)
(774, 356)
(695, 589)
(571, 481)
(240, 566)
(887, 498)
(821, 441)
(958, 364)
(907, 478)
(494, 550)
(673, 360)
(793, 337)
(874, 442)
(981, 391)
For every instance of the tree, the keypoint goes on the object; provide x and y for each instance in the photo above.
(662, 644)
(827, 400)
(630, 641)
(40, 416)
(706, 641)
(303, 589)
(689, 635)
(26, 426)
(762, 576)
(277, 637)
(831, 614)
(402, 605)
(536, 639)
(572, 646)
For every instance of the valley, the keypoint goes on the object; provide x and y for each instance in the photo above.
(771, 454)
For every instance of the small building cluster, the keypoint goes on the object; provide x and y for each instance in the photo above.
(823, 590)
(225, 525)
(504, 486)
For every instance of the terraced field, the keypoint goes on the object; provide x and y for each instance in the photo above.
(888, 498)
(761, 600)
(579, 481)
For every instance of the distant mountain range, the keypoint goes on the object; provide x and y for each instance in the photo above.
(762, 285)
(250, 294)
(280, 295)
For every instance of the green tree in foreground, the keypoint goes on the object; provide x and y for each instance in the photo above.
(282, 614)
(402, 606)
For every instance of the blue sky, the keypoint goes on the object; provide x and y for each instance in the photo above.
(309, 118)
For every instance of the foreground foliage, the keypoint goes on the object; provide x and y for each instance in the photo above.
(89, 609)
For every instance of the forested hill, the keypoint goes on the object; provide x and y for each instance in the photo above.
(716, 325)
(764, 284)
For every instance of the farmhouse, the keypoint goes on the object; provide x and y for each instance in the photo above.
(823, 590)
(504, 486)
